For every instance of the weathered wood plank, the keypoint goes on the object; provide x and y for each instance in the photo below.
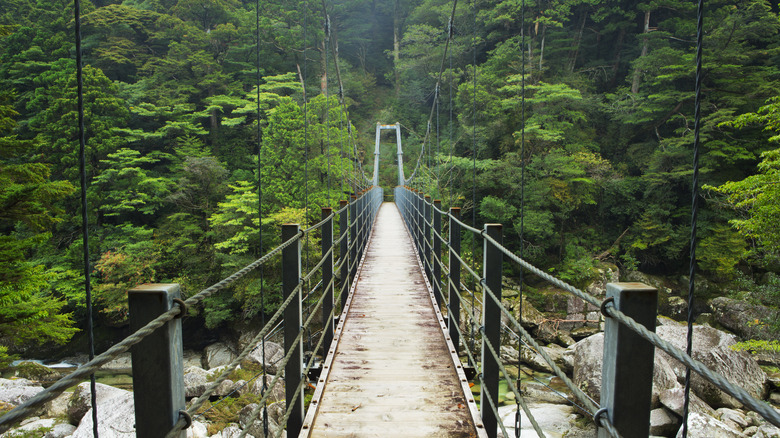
(392, 371)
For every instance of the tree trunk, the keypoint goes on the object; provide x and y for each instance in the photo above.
(637, 70)
(541, 47)
(575, 52)
(324, 65)
(618, 49)
(397, 48)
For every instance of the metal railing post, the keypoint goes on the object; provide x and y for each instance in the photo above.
(157, 361)
(327, 279)
(627, 370)
(426, 240)
(418, 222)
(291, 278)
(437, 251)
(491, 322)
(359, 220)
(453, 314)
(343, 252)
(353, 243)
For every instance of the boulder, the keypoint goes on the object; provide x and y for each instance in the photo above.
(59, 406)
(18, 391)
(36, 372)
(606, 273)
(530, 316)
(218, 354)
(555, 420)
(116, 415)
(81, 399)
(44, 428)
(277, 392)
(120, 363)
(197, 430)
(256, 427)
(676, 308)
(742, 318)
(196, 380)
(673, 400)
(705, 426)
(273, 354)
(663, 422)
(588, 357)
(232, 431)
(536, 392)
(734, 418)
(193, 359)
(712, 347)
(767, 431)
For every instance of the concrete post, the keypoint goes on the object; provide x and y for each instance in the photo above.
(343, 245)
(627, 370)
(327, 277)
(157, 361)
(491, 320)
(291, 277)
(353, 235)
(426, 240)
(437, 251)
(453, 287)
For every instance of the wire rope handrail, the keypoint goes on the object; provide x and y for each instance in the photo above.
(48, 394)
(76, 376)
(735, 391)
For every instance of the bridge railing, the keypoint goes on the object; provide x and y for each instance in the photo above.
(156, 342)
(629, 335)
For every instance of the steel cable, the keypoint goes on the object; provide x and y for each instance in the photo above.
(436, 93)
(90, 367)
(694, 209)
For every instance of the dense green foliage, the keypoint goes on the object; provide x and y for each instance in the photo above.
(171, 99)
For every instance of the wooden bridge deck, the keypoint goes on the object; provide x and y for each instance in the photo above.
(392, 370)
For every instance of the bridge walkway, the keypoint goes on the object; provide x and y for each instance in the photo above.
(392, 370)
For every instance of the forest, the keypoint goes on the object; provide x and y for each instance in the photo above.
(183, 96)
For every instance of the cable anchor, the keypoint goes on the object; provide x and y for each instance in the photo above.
(604, 306)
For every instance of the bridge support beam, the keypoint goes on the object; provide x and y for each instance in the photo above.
(627, 370)
(158, 363)
(437, 260)
(453, 313)
(491, 322)
(327, 279)
(291, 278)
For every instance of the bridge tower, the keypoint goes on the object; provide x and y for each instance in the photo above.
(397, 128)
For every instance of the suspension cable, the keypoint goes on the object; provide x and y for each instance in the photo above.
(522, 187)
(264, 388)
(84, 206)
(694, 209)
(435, 95)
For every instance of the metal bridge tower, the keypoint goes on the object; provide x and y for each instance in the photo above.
(397, 128)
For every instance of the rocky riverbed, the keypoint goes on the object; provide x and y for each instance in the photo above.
(573, 339)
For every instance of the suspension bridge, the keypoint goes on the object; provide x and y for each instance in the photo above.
(396, 356)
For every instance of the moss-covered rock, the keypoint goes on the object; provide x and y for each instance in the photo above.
(36, 372)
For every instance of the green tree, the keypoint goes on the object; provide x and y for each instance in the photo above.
(28, 199)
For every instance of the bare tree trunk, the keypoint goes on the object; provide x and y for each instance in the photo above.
(618, 49)
(541, 48)
(324, 65)
(575, 52)
(397, 48)
(637, 71)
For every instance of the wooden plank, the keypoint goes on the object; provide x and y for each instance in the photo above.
(392, 370)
